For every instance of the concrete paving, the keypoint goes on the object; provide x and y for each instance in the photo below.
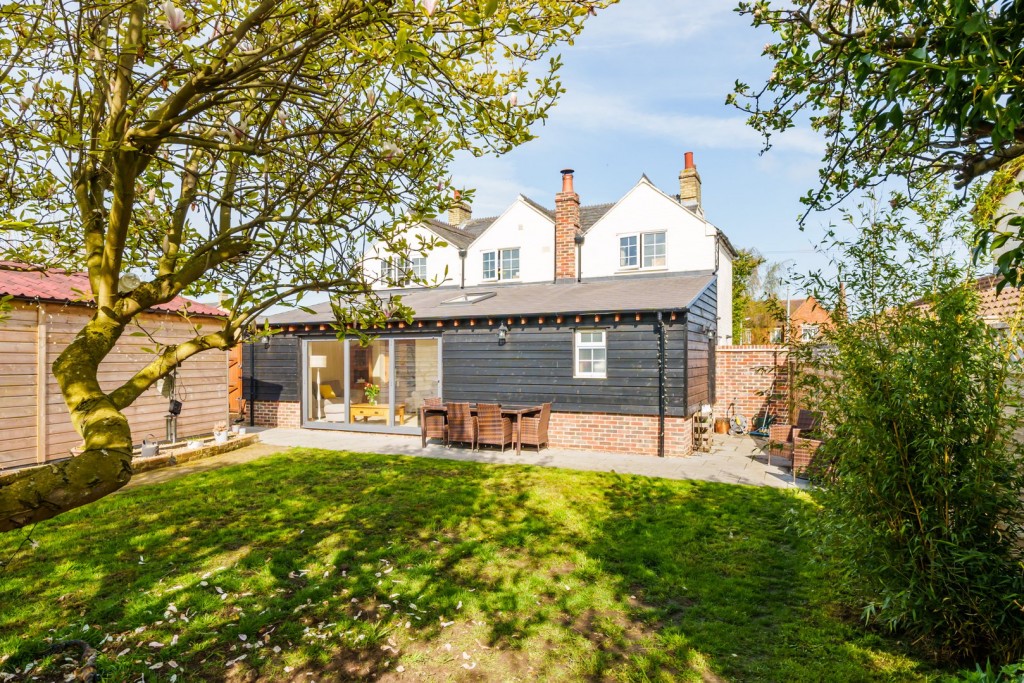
(733, 460)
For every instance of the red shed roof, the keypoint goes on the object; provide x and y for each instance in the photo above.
(58, 285)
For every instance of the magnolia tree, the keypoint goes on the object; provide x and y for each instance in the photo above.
(249, 148)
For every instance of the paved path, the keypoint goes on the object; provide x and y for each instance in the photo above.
(734, 460)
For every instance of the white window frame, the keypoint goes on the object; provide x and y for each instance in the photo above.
(809, 331)
(499, 255)
(578, 343)
(636, 256)
(418, 267)
(396, 271)
(641, 239)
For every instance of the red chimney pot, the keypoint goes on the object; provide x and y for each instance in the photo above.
(567, 179)
(689, 160)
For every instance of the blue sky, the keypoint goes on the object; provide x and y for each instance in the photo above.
(647, 82)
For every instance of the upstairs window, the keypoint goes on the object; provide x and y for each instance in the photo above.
(400, 272)
(501, 264)
(628, 251)
(809, 332)
(642, 250)
(418, 267)
(591, 354)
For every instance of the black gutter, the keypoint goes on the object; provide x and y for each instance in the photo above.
(660, 326)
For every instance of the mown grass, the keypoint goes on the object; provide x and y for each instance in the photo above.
(355, 566)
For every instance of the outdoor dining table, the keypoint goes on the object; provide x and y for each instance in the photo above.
(515, 412)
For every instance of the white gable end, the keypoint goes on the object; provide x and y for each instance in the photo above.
(443, 265)
(690, 243)
(521, 227)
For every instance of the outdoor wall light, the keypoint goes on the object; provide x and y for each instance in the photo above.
(502, 334)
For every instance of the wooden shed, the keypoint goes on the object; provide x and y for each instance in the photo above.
(34, 421)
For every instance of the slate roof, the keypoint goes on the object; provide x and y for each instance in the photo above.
(449, 234)
(600, 295)
(463, 235)
(60, 286)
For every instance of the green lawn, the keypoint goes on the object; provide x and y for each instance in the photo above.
(358, 566)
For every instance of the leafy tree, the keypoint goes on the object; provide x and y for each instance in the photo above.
(744, 268)
(920, 500)
(898, 88)
(239, 146)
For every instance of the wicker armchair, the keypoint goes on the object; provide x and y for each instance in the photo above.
(492, 428)
(534, 430)
(782, 436)
(461, 424)
(435, 425)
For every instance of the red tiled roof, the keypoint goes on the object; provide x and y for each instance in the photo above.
(1002, 307)
(58, 285)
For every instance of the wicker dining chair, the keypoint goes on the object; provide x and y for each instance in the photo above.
(534, 430)
(461, 424)
(435, 425)
(492, 428)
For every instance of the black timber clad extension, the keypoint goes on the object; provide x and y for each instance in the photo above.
(536, 365)
(700, 352)
(277, 369)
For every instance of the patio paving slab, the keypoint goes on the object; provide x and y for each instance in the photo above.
(733, 460)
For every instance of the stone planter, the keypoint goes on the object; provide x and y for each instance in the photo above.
(804, 451)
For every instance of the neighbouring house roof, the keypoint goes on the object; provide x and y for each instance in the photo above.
(60, 286)
(670, 292)
(997, 308)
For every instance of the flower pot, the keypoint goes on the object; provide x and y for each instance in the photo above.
(220, 437)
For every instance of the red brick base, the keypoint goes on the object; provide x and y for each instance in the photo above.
(611, 432)
(278, 413)
(634, 434)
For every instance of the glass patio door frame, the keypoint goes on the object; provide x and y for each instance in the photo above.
(346, 425)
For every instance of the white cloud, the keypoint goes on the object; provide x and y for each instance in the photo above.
(652, 22)
(609, 114)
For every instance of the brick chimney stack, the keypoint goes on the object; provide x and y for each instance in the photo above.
(567, 226)
(689, 185)
(460, 212)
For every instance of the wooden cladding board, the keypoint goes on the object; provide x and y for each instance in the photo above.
(18, 367)
(201, 383)
(536, 366)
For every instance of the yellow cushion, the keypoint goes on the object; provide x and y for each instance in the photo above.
(327, 391)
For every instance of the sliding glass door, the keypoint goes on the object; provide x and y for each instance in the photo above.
(377, 387)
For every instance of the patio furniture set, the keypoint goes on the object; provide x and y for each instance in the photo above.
(484, 424)
(799, 443)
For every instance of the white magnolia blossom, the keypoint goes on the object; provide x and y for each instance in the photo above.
(175, 16)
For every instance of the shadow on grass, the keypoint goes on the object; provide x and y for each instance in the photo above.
(354, 566)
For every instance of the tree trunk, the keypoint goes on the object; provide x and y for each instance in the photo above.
(32, 495)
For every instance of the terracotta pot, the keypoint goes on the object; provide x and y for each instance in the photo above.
(721, 425)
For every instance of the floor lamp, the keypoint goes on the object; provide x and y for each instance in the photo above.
(318, 362)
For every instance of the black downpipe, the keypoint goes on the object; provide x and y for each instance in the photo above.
(252, 384)
(661, 385)
(462, 262)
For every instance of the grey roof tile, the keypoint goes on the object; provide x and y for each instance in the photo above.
(602, 295)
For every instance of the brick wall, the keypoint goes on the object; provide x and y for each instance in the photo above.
(634, 434)
(744, 376)
(567, 224)
(278, 413)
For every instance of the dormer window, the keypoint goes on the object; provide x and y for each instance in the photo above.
(501, 264)
(642, 250)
